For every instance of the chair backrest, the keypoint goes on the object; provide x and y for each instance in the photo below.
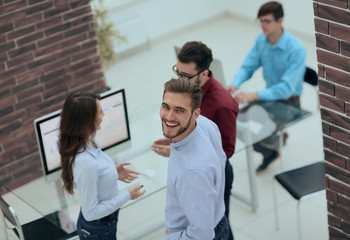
(311, 76)
(215, 67)
(10, 215)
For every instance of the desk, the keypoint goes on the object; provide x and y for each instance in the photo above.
(256, 122)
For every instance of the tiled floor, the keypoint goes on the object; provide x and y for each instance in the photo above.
(230, 38)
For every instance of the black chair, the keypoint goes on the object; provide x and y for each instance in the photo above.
(311, 77)
(41, 228)
(301, 182)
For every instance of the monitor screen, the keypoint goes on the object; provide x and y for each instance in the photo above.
(114, 129)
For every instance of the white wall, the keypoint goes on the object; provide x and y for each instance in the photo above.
(143, 20)
(299, 15)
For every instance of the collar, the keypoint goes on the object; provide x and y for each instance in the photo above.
(208, 84)
(282, 41)
(91, 150)
(187, 139)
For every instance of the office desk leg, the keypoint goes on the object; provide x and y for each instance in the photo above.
(253, 200)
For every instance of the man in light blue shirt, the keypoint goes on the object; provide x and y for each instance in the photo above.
(282, 57)
(195, 206)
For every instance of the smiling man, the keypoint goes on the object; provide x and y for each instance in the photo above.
(282, 57)
(195, 206)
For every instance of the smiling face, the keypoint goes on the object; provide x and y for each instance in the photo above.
(177, 117)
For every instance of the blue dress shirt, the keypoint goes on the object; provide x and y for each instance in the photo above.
(283, 67)
(95, 177)
(195, 184)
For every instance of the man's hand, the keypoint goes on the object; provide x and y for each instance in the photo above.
(246, 97)
(162, 147)
(124, 174)
(231, 89)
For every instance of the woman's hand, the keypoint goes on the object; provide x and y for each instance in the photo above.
(135, 192)
(124, 174)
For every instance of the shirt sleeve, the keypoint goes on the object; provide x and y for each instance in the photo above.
(250, 65)
(290, 80)
(93, 209)
(196, 195)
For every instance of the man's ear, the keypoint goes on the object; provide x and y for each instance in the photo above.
(196, 113)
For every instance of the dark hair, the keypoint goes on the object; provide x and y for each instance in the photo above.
(196, 52)
(275, 8)
(77, 125)
(187, 87)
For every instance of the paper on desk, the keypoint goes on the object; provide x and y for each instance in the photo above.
(255, 126)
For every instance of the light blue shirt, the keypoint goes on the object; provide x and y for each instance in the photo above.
(283, 67)
(95, 177)
(195, 184)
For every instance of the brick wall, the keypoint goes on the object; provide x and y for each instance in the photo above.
(332, 25)
(47, 49)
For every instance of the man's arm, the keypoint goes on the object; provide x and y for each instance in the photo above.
(196, 193)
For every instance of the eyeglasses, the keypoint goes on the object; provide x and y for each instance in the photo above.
(266, 21)
(176, 71)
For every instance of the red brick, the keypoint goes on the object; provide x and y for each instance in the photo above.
(332, 196)
(47, 50)
(22, 50)
(339, 134)
(30, 38)
(337, 76)
(31, 2)
(28, 93)
(19, 60)
(11, 17)
(345, 48)
(330, 143)
(77, 12)
(32, 100)
(326, 87)
(7, 46)
(50, 40)
(24, 86)
(29, 75)
(85, 19)
(327, 43)
(7, 83)
(58, 63)
(58, 28)
(79, 65)
(28, 20)
(12, 7)
(6, 28)
(46, 23)
(342, 93)
(42, 61)
(39, 7)
(332, 103)
(56, 11)
(347, 109)
(21, 32)
(343, 149)
(337, 3)
(73, 40)
(315, 6)
(84, 54)
(321, 26)
(334, 60)
(335, 159)
(337, 171)
(75, 4)
(334, 221)
(339, 31)
(340, 188)
(334, 14)
(12, 72)
(76, 31)
(335, 234)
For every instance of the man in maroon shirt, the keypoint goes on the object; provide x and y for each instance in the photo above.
(218, 105)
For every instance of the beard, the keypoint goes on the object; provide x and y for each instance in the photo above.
(179, 132)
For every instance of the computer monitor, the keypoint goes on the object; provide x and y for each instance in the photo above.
(114, 133)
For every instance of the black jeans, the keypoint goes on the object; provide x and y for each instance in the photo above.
(101, 229)
(227, 194)
(222, 229)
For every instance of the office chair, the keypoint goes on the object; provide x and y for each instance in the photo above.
(311, 78)
(301, 183)
(41, 228)
(215, 67)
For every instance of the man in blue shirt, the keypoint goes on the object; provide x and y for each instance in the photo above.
(195, 206)
(282, 57)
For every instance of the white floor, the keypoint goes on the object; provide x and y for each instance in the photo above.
(230, 38)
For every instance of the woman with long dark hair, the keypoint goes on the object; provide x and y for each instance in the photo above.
(91, 171)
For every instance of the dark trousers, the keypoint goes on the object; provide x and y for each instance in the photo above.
(101, 229)
(271, 144)
(222, 229)
(227, 193)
